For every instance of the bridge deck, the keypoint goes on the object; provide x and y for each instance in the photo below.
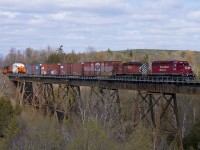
(141, 83)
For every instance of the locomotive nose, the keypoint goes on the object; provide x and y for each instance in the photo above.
(188, 67)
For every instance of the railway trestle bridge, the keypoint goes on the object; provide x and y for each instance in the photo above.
(155, 104)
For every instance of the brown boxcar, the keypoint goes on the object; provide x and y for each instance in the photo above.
(100, 68)
(71, 69)
(50, 69)
(88, 68)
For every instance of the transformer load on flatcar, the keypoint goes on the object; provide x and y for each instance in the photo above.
(18, 68)
(172, 68)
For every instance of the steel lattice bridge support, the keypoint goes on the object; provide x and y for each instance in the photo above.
(66, 100)
(160, 112)
(157, 110)
(105, 104)
(37, 95)
(59, 99)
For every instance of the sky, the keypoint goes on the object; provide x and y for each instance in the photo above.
(102, 24)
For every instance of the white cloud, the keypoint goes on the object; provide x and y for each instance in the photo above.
(59, 16)
(161, 4)
(194, 15)
(37, 21)
(148, 17)
(8, 14)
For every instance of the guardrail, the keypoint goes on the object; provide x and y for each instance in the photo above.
(143, 79)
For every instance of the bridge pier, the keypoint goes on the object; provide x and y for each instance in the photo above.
(105, 103)
(38, 100)
(24, 93)
(160, 112)
(66, 103)
(37, 95)
(49, 98)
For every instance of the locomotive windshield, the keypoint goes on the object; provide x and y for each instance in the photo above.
(6, 67)
(183, 63)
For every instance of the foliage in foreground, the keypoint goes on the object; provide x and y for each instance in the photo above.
(192, 140)
(44, 132)
(92, 137)
(8, 120)
(5, 114)
(7, 117)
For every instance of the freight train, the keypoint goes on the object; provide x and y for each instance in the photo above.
(175, 68)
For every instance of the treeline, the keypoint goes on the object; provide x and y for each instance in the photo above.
(49, 55)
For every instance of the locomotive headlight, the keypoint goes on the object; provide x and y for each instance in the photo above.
(186, 67)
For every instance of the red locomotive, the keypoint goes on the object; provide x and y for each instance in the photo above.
(172, 68)
(133, 68)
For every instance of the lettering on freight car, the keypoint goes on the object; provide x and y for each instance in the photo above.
(162, 70)
(130, 67)
(163, 67)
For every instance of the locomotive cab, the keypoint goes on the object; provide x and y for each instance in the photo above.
(5, 69)
(183, 67)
